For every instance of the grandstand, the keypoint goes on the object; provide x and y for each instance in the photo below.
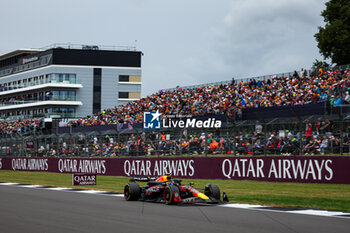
(232, 97)
(286, 106)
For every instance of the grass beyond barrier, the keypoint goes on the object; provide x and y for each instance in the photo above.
(319, 196)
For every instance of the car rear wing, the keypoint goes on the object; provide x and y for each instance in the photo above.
(143, 179)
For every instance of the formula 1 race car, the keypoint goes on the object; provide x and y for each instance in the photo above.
(170, 191)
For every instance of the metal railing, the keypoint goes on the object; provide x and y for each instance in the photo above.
(40, 99)
(89, 47)
(52, 78)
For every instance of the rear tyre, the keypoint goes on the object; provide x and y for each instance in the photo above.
(212, 190)
(172, 195)
(132, 191)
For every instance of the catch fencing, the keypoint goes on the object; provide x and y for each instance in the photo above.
(311, 135)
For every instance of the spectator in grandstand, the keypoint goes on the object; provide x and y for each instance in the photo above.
(310, 147)
(18, 126)
(346, 142)
(324, 144)
(308, 131)
(295, 145)
(52, 152)
(63, 152)
(150, 149)
(233, 81)
(258, 128)
(347, 98)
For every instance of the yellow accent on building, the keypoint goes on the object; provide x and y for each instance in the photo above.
(135, 78)
(134, 95)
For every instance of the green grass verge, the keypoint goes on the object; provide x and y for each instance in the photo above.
(319, 196)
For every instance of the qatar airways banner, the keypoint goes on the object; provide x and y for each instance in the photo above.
(318, 169)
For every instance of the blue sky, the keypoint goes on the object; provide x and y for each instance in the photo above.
(184, 42)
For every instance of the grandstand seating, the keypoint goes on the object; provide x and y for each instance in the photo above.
(234, 99)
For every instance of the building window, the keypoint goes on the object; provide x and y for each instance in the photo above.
(123, 78)
(134, 95)
(123, 95)
(97, 80)
(60, 95)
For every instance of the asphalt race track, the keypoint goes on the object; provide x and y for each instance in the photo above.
(41, 210)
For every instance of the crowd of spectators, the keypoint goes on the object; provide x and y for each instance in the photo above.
(318, 137)
(228, 99)
(321, 137)
(19, 126)
(231, 98)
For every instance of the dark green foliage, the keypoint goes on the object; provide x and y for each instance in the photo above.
(334, 38)
(320, 64)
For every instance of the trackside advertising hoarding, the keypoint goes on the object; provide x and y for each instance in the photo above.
(317, 169)
(83, 179)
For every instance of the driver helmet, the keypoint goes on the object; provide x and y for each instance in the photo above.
(165, 178)
(168, 176)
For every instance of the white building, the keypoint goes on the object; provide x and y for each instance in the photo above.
(67, 81)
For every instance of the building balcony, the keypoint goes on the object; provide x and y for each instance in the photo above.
(52, 101)
(51, 81)
(48, 116)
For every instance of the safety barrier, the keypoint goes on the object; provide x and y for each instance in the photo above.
(315, 169)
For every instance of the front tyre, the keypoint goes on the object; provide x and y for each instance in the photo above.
(132, 191)
(172, 195)
(212, 190)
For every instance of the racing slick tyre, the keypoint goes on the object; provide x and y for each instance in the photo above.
(172, 195)
(132, 191)
(212, 190)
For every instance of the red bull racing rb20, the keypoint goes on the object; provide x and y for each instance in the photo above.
(170, 191)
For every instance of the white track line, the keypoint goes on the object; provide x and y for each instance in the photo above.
(115, 195)
(306, 211)
(91, 191)
(317, 212)
(56, 188)
(231, 205)
(31, 186)
(241, 206)
(8, 184)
